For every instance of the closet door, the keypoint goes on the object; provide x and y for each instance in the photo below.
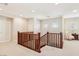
(2, 30)
(5, 30)
(8, 30)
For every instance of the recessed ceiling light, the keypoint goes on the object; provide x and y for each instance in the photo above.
(56, 3)
(74, 11)
(33, 10)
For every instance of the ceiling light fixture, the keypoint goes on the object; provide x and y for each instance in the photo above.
(74, 11)
(33, 11)
(56, 3)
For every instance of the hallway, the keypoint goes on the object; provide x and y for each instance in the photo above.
(10, 49)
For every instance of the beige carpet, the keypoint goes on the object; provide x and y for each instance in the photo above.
(12, 49)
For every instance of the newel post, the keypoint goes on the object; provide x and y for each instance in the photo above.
(18, 41)
(47, 37)
(61, 40)
(37, 44)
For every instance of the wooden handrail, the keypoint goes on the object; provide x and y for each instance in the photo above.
(43, 35)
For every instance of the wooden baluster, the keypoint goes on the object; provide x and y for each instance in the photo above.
(47, 38)
(56, 39)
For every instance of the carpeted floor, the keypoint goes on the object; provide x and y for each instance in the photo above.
(71, 48)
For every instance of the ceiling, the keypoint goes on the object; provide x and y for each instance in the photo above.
(39, 9)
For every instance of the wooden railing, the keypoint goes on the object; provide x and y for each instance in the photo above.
(52, 39)
(55, 39)
(30, 40)
(43, 40)
(35, 42)
(78, 36)
(23, 37)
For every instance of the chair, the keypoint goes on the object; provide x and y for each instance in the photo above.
(69, 36)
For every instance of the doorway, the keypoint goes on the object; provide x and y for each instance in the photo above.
(5, 29)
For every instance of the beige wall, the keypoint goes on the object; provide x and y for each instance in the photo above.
(51, 25)
(22, 25)
(19, 24)
(36, 25)
(30, 25)
(33, 25)
(71, 25)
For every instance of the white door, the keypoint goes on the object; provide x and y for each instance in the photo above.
(5, 30)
